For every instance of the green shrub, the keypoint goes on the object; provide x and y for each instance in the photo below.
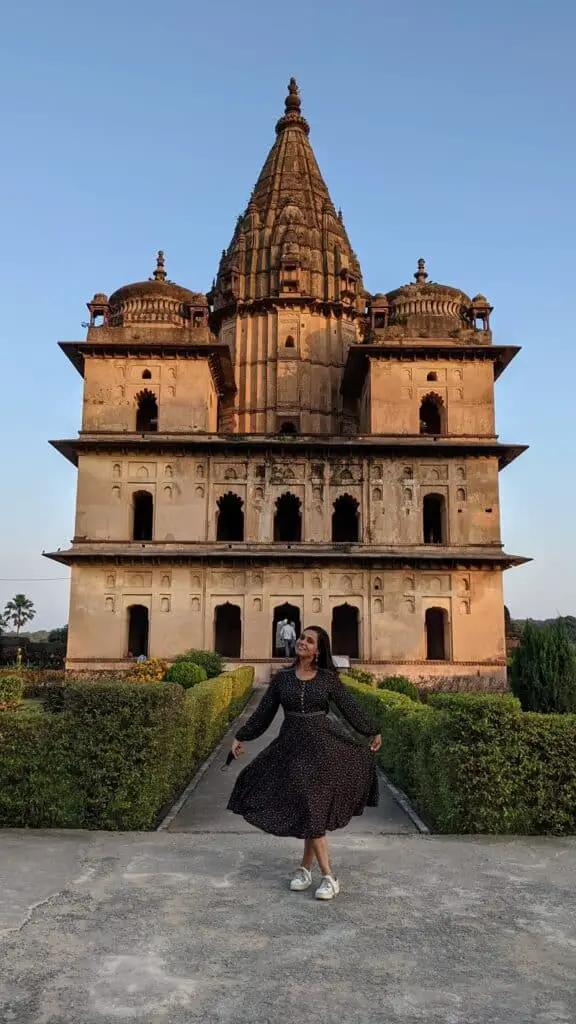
(399, 684)
(210, 661)
(359, 676)
(475, 762)
(115, 754)
(186, 673)
(543, 674)
(11, 690)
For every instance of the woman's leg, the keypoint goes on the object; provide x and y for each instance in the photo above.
(320, 848)
(308, 858)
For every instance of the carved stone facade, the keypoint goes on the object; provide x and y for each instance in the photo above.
(289, 446)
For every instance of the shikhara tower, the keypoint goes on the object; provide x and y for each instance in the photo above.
(289, 446)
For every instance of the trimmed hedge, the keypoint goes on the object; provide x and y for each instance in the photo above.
(11, 690)
(474, 763)
(111, 755)
(399, 684)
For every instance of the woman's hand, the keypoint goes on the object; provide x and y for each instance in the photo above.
(376, 744)
(237, 748)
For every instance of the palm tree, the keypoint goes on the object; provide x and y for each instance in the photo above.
(19, 611)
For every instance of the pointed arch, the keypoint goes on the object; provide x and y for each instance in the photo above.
(146, 412)
(230, 518)
(345, 520)
(288, 519)
(432, 414)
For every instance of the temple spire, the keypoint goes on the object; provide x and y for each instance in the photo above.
(160, 272)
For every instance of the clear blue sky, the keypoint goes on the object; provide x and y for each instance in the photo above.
(443, 130)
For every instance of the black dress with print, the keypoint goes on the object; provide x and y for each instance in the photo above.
(313, 777)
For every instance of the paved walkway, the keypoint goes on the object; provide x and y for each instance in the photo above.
(178, 927)
(204, 809)
(164, 928)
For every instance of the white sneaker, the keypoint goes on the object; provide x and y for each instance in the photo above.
(302, 880)
(328, 889)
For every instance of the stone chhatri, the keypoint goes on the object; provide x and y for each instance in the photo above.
(289, 446)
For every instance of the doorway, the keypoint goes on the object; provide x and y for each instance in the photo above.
(345, 631)
(436, 634)
(228, 630)
(282, 613)
(138, 630)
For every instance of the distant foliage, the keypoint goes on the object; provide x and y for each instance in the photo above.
(568, 621)
(19, 611)
(58, 636)
(543, 672)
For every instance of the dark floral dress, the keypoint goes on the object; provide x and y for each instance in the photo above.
(313, 777)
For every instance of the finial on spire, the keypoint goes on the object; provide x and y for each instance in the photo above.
(292, 101)
(292, 116)
(160, 272)
(421, 275)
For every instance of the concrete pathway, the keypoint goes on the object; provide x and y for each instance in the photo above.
(197, 924)
(203, 808)
(164, 928)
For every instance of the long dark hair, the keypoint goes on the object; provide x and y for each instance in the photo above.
(324, 658)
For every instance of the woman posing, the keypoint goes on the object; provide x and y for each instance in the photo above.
(313, 777)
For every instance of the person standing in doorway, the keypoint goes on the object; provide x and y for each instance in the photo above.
(278, 641)
(315, 776)
(288, 637)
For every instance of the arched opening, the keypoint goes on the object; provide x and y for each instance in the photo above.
(345, 522)
(287, 427)
(228, 630)
(138, 629)
(345, 631)
(146, 375)
(432, 415)
(142, 515)
(437, 638)
(147, 412)
(289, 343)
(432, 375)
(288, 519)
(434, 519)
(284, 613)
(230, 518)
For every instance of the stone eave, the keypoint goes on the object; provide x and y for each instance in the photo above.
(358, 359)
(201, 552)
(216, 353)
(274, 445)
(267, 303)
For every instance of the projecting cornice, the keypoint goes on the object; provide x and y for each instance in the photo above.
(293, 446)
(359, 356)
(297, 554)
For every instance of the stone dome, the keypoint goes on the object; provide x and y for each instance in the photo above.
(154, 301)
(427, 305)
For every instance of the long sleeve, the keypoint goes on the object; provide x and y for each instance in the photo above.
(262, 717)
(351, 710)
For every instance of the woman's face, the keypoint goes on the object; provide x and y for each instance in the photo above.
(307, 645)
